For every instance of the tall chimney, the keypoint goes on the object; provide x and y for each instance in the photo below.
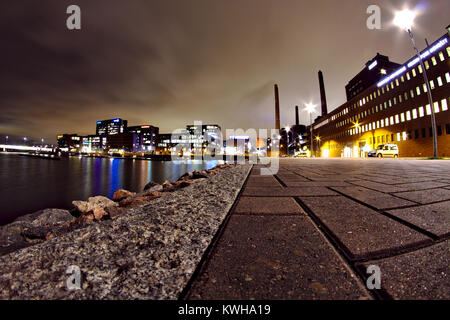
(277, 109)
(323, 98)
(297, 121)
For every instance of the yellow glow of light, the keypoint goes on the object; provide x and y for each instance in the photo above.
(310, 107)
(405, 19)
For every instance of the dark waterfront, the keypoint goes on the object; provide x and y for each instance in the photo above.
(30, 184)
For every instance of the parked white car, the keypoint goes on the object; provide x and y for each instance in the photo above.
(384, 150)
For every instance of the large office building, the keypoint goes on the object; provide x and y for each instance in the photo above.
(111, 127)
(391, 108)
(146, 138)
(197, 138)
(69, 142)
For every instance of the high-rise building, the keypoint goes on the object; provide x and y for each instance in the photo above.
(111, 127)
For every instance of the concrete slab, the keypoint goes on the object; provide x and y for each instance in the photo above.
(378, 186)
(423, 274)
(434, 218)
(262, 181)
(275, 258)
(426, 196)
(362, 231)
(373, 198)
(267, 205)
(421, 185)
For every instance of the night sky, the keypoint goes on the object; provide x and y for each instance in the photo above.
(170, 62)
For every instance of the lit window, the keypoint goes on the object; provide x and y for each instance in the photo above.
(378, 124)
(428, 108)
(433, 60)
(382, 123)
(397, 120)
(370, 126)
(402, 117)
(398, 136)
(447, 77)
(387, 121)
(421, 112)
(439, 81)
(414, 72)
(383, 71)
(396, 82)
(392, 120)
(408, 76)
(390, 103)
(408, 115)
(427, 65)
(392, 85)
(432, 84)
(412, 93)
(400, 98)
(425, 89)
(395, 100)
(418, 91)
(441, 56)
(414, 113)
(404, 136)
(448, 51)
(420, 69)
(436, 107)
(402, 78)
(444, 105)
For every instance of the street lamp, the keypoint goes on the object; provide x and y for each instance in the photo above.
(287, 129)
(6, 140)
(405, 19)
(24, 140)
(310, 108)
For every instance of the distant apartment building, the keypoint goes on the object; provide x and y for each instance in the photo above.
(71, 142)
(111, 127)
(93, 144)
(121, 142)
(146, 138)
(391, 108)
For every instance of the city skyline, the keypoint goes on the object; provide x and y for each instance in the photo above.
(118, 67)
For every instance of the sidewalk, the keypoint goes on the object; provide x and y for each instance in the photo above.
(311, 231)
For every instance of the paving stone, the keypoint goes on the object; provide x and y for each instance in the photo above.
(434, 218)
(421, 185)
(363, 231)
(316, 184)
(426, 196)
(378, 186)
(422, 274)
(373, 198)
(268, 205)
(288, 192)
(262, 181)
(275, 258)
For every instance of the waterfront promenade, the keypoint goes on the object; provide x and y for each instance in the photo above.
(311, 230)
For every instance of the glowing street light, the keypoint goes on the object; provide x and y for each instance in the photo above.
(310, 108)
(405, 20)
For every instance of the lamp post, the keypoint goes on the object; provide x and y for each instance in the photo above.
(6, 140)
(24, 140)
(404, 19)
(310, 108)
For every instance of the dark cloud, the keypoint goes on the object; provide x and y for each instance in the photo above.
(171, 62)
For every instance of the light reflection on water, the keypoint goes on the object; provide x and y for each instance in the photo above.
(30, 184)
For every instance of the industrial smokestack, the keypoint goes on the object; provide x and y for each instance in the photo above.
(277, 109)
(323, 98)
(297, 121)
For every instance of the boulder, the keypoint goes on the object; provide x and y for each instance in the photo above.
(47, 218)
(93, 203)
(153, 186)
(139, 200)
(122, 194)
(199, 175)
(99, 213)
(115, 211)
(186, 176)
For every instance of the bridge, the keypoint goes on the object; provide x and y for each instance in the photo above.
(5, 147)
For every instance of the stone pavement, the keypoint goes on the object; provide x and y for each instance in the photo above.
(311, 230)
